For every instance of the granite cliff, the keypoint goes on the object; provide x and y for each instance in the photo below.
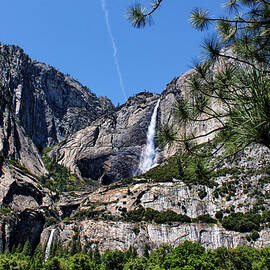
(109, 149)
(39, 106)
(99, 144)
(48, 103)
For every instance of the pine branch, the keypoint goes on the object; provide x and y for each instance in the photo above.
(138, 16)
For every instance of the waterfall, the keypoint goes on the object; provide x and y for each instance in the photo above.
(148, 155)
(49, 244)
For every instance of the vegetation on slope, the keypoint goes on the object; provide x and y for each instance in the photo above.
(191, 170)
(60, 179)
(149, 214)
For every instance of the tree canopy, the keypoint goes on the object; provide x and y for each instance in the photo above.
(187, 255)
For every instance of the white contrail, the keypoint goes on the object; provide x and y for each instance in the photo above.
(106, 16)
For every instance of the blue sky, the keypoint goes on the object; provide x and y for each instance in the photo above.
(73, 37)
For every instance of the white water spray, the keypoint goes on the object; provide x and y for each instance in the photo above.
(49, 244)
(148, 155)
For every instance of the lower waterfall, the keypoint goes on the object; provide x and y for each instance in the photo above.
(49, 244)
(148, 155)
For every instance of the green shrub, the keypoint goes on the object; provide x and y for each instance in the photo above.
(136, 230)
(50, 221)
(149, 215)
(171, 216)
(219, 214)
(189, 169)
(89, 213)
(5, 211)
(113, 260)
(202, 193)
(188, 255)
(196, 171)
(242, 222)
(266, 216)
(135, 215)
(205, 219)
(17, 164)
(165, 172)
(254, 235)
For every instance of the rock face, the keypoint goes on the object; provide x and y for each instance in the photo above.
(40, 106)
(246, 190)
(178, 89)
(48, 104)
(14, 143)
(120, 235)
(23, 202)
(109, 149)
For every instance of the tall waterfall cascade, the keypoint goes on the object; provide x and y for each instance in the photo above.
(148, 155)
(49, 244)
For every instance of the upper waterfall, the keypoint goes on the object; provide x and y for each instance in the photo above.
(148, 155)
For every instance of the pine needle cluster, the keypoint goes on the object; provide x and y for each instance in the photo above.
(231, 85)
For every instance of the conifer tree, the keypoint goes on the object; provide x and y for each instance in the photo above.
(27, 248)
(96, 255)
(233, 74)
(18, 248)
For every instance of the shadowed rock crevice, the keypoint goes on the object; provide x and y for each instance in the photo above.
(92, 168)
(2, 159)
(95, 136)
(68, 209)
(7, 225)
(3, 237)
(29, 226)
(24, 189)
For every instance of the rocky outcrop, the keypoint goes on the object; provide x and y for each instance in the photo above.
(187, 199)
(205, 127)
(241, 185)
(24, 203)
(109, 149)
(14, 143)
(20, 190)
(16, 229)
(48, 104)
(110, 235)
(69, 202)
(40, 106)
